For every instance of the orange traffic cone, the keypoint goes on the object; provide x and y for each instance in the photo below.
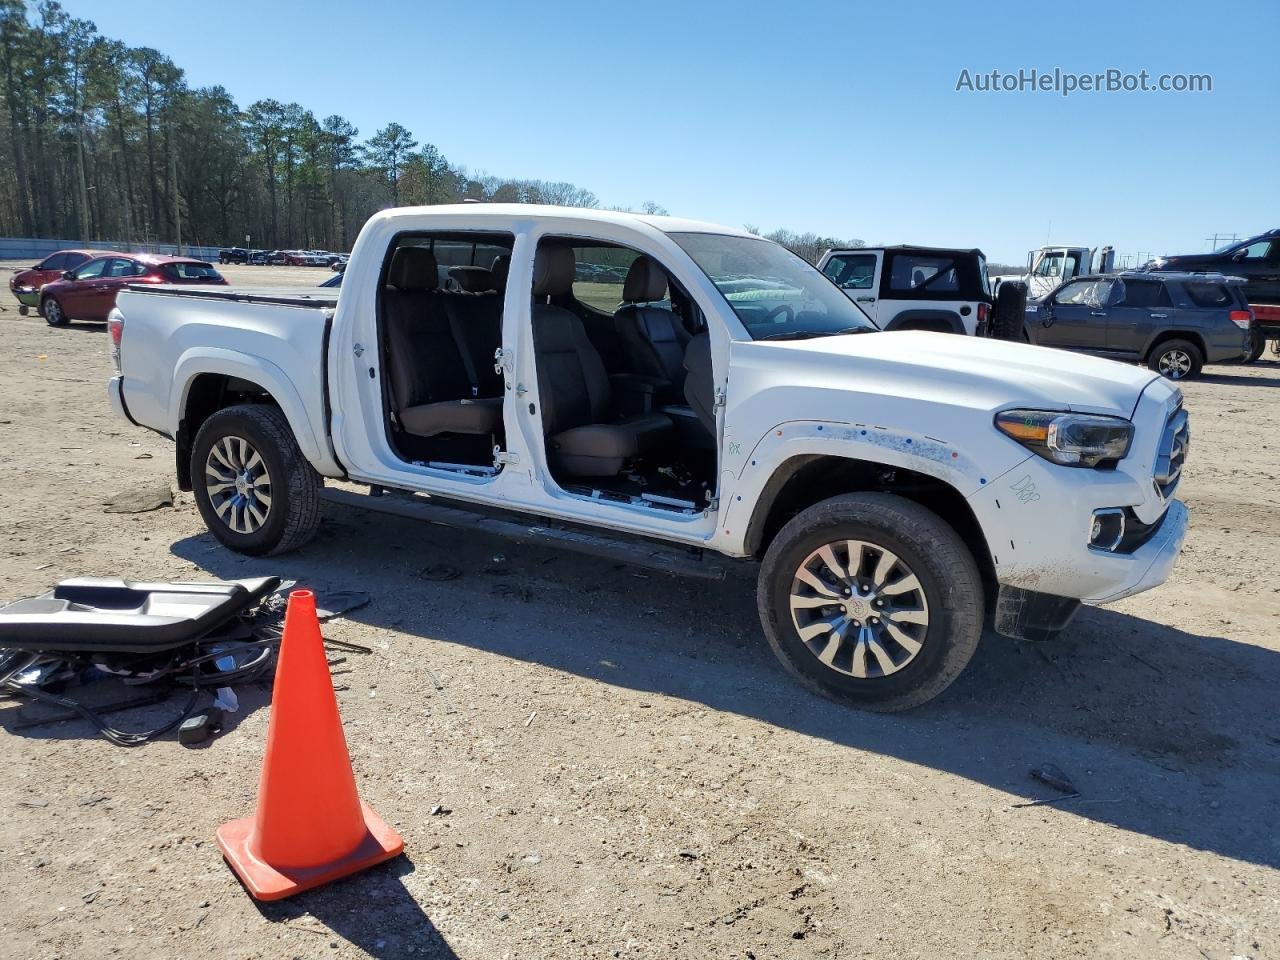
(310, 826)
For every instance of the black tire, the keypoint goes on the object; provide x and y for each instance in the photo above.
(1257, 344)
(1165, 360)
(293, 515)
(1010, 311)
(53, 313)
(928, 547)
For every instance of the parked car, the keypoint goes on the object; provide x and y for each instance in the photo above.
(921, 288)
(1257, 262)
(1175, 323)
(334, 281)
(893, 486)
(260, 258)
(234, 255)
(89, 292)
(25, 285)
(339, 262)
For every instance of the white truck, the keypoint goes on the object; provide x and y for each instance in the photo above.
(681, 395)
(1050, 267)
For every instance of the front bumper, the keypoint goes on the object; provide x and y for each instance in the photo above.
(27, 296)
(1150, 565)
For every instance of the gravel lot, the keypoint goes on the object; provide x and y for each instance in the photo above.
(622, 769)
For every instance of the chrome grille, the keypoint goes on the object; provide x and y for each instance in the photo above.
(1172, 454)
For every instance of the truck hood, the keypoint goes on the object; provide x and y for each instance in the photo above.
(977, 372)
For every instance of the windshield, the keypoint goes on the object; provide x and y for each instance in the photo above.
(775, 294)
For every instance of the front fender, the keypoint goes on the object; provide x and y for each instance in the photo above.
(748, 473)
(265, 374)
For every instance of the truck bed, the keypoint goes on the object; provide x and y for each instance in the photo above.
(311, 297)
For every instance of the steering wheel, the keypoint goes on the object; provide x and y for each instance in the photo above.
(781, 308)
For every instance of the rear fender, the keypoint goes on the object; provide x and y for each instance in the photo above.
(265, 374)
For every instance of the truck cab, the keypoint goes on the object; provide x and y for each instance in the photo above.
(685, 395)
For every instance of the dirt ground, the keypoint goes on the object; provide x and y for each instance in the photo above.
(620, 767)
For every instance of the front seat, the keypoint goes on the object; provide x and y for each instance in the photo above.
(652, 338)
(430, 391)
(583, 438)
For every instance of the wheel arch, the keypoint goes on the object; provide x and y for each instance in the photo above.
(1194, 337)
(941, 321)
(807, 479)
(203, 385)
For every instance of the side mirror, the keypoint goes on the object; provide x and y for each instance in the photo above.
(68, 275)
(1239, 255)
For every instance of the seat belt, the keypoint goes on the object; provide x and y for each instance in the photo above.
(464, 350)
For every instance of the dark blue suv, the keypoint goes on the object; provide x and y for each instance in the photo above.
(1173, 322)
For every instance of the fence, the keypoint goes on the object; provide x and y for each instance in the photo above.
(33, 249)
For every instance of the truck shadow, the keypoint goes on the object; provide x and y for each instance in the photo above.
(1166, 733)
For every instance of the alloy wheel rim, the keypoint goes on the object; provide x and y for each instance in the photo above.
(53, 311)
(238, 483)
(1175, 364)
(859, 609)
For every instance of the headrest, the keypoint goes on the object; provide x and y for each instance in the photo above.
(646, 281)
(553, 271)
(473, 279)
(413, 268)
(500, 267)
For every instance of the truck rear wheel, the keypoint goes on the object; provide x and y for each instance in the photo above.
(871, 600)
(255, 490)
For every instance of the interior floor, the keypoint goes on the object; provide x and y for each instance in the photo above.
(682, 482)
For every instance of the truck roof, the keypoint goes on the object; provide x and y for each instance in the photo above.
(524, 211)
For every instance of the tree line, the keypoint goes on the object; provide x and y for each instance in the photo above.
(100, 140)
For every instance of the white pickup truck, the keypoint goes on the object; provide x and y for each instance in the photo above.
(673, 393)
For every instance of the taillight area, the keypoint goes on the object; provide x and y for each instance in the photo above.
(1242, 318)
(984, 311)
(115, 329)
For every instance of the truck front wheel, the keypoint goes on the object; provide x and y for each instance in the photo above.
(255, 490)
(871, 600)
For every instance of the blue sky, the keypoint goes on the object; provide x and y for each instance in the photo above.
(842, 118)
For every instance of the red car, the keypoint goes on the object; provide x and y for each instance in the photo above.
(25, 285)
(89, 292)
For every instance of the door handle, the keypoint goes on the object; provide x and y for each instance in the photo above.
(1097, 313)
(866, 299)
(1159, 316)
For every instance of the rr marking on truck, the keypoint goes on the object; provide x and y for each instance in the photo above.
(1025, 489)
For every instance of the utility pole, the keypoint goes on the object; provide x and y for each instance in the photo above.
(177, 201)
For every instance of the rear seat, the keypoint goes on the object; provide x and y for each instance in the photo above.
(433, 386)
(475, 319)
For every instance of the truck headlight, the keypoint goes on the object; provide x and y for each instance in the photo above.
(1071, 439)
